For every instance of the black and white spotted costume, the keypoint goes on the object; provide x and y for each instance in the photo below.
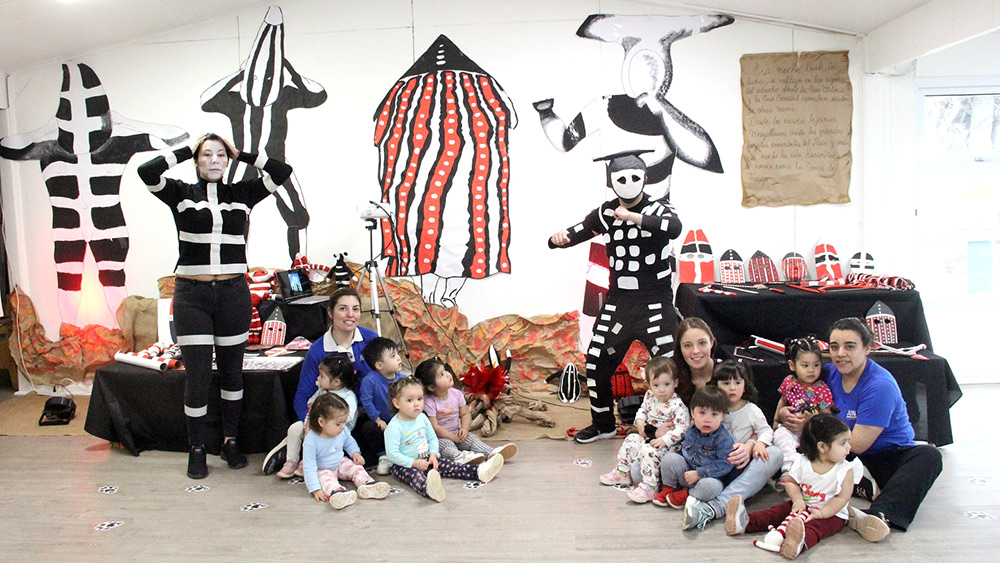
(212, 220)
(640, 300)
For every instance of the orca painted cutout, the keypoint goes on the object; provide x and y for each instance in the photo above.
(695, 263)
(794, 266)
(257, 98)
(882, 322)
(827, 262)
(761, 269)
(863, 265)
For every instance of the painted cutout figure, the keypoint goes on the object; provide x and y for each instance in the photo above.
(82, 152)
(695, 263)
(637, 233)
(442, 137)
(256, 99)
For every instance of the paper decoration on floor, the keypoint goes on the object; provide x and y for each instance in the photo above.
(296, 480)
(78, 351)
(108, 490)
(827, 262)
(442, 134)
(273, 333)
(583, 462)
(695, 263)
(863, 265)
(731, 267)
(395, 491)
(623, 488)
(108, 525)
(253, 506)
(257, 98)
(882, 322)
(471, 485)
(82, 152)
(794, 266)
(197, 489)
(761, 269)
(981, 480)
(978, 515)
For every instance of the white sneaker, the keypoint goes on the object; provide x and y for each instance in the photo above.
(467, 458)
(384, 465)
(374, 490)
(435, 490)
(489, 469)
(869, 526)
(507, 451)
(341, 499)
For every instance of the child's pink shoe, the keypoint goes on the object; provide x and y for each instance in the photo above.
(641, 494)
(287, 470)
(615, 477)
(298, 470)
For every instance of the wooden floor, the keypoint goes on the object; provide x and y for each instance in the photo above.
(545, 504)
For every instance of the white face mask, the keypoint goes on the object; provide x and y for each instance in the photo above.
(628, 183)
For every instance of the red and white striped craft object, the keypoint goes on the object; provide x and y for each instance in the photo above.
(731, 267)
(880, 282)
(273, 333)
(882, 322)
(761, 269)
(695, 263)
(794, 267)
(827, 262)
(317, 272)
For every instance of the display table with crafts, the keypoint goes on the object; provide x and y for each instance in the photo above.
(143, 409)
(795, 312)
(928, 386)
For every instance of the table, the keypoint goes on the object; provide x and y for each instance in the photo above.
(928, 386)
(794, 313)
(143, 409)
(308, 320)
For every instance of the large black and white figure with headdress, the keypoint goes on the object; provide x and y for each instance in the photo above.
(442, 136)
(637, 232)
(82, 152)
(256, 99)
(643, 110)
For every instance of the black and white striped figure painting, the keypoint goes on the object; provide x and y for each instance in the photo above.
(442, 133)
(882, 322)
(862, 263)
(643, 110)
(256, 99)
(82, 152)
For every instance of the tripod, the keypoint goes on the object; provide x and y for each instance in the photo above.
(370, 271)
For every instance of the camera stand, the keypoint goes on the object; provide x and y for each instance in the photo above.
(375, 285)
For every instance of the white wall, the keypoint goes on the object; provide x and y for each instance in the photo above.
(357, 55)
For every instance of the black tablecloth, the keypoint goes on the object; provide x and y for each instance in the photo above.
(928, 386)
(143, 409)
(794, 313)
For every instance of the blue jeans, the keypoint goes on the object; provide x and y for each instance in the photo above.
(752, 479)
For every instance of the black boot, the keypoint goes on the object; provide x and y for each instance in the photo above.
(197, 467)
(231, 455)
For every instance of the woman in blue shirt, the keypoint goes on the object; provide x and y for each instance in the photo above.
(881, 434)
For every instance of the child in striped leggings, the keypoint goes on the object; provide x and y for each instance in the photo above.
(412, 446)
(449, 416)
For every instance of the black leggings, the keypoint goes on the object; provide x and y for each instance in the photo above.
(905, 475)
(206, 315)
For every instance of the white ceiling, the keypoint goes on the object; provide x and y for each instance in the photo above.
(35, 32)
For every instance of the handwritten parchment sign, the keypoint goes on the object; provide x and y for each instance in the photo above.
(796, 128)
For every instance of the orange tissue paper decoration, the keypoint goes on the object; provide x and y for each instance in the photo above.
(78, 352)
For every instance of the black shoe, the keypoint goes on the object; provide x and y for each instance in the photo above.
(231, 455)
(197, 467)
(275, 459)
(866, 489)
(593, 433)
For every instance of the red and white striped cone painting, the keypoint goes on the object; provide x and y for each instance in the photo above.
(274, 330)
(761, 269)
(882, 322)
(862, 264)
(827, 262)
(731, 267)
(794, 267)
(695, 263)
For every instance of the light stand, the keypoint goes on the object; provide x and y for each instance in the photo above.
(370, 270)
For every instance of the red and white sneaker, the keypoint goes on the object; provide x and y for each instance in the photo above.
(677, 498)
